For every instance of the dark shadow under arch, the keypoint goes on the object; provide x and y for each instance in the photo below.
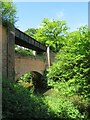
(39, 81)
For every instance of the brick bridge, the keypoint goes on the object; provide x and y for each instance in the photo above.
(12, 66)
(24, 64)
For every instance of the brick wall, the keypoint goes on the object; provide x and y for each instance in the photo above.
(24, 64)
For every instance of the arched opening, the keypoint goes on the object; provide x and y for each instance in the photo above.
(26, 81)
(33, 81)
(39, 82)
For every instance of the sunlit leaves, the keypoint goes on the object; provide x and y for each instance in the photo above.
(52, 33)
(8, 11)
(73, 61)
(31, 32)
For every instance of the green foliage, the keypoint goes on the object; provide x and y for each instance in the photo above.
(63, 108)
(31, 32)
(52, 33)
(19, 103)
(70, 73)
(72, 62)
(69, 77)
(23, 51)
(8, 11)
(26, 77)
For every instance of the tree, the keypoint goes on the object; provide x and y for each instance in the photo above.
(73, 60)
(70, 73)
(52, 33)
(31, 32)
(8, 11)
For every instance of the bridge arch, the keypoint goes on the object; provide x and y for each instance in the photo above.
(24, 64)
(15, 66)
(36, 81)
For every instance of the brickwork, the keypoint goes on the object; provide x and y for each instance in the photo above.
(25, 64)
(11, 66)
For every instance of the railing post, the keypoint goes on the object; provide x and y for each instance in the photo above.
(48, 56)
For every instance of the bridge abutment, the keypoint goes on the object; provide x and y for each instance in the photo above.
(7, 41)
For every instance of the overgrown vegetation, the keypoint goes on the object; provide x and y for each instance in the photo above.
(68, 98)
(20, 103)
(70, 73)
(68, 78)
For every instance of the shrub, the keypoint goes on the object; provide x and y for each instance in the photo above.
(70, 73)
(20, 103)
(72, 62)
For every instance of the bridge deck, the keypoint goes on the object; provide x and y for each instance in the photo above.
(26, 41)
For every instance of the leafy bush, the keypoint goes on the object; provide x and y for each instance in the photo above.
(70, 73)
(72, 62)
(19, 103)
(63, 108)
